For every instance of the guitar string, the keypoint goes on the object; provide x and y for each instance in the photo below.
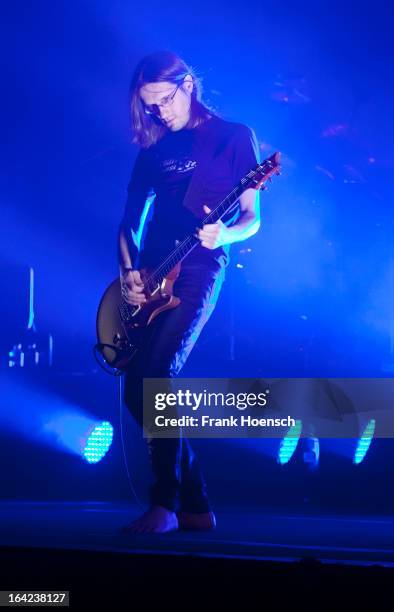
(172, 255)
(208, 218)
(172, 259)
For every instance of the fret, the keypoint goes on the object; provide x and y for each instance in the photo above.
(254, 177)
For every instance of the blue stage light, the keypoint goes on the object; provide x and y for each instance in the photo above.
(364, 442)
(98, 442)
(289, 443)
(311, 452)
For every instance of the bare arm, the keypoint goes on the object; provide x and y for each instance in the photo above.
(214, 235)
(124, 256)
(130, 280)
(137, 193)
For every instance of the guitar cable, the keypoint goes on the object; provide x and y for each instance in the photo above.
(97, 349)
(131, 485)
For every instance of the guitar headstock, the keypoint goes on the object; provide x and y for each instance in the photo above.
(264, 172)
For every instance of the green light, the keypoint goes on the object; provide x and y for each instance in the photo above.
(289, 443)
(98, 442)
(364, 442)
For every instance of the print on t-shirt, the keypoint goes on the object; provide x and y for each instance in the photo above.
(226, 151)
(178, 165)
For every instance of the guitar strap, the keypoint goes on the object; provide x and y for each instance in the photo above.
(193, 199)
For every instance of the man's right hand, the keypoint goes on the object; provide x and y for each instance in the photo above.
(132, 287)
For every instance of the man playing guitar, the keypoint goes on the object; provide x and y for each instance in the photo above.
(189, 158)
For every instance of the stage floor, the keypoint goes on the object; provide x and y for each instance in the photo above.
(247, 534)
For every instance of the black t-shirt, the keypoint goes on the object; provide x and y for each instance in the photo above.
(226, 152)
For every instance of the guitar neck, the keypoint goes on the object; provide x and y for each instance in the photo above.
(183, 249)
(255, 178)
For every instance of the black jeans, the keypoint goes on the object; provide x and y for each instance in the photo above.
(179, 483)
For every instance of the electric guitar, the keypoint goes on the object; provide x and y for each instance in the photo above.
(120, 326)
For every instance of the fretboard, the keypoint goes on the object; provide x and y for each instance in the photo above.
(185, 247)
(255, 178)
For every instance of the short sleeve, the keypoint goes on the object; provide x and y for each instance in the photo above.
(138, 190)
(244, 152)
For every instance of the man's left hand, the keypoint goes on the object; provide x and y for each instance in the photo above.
(213, 235)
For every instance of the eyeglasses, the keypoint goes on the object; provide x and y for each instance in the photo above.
(154, 109)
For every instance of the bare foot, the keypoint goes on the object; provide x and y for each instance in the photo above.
(191, 520)
(156, 520)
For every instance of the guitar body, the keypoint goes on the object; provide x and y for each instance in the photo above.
(121, 328)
